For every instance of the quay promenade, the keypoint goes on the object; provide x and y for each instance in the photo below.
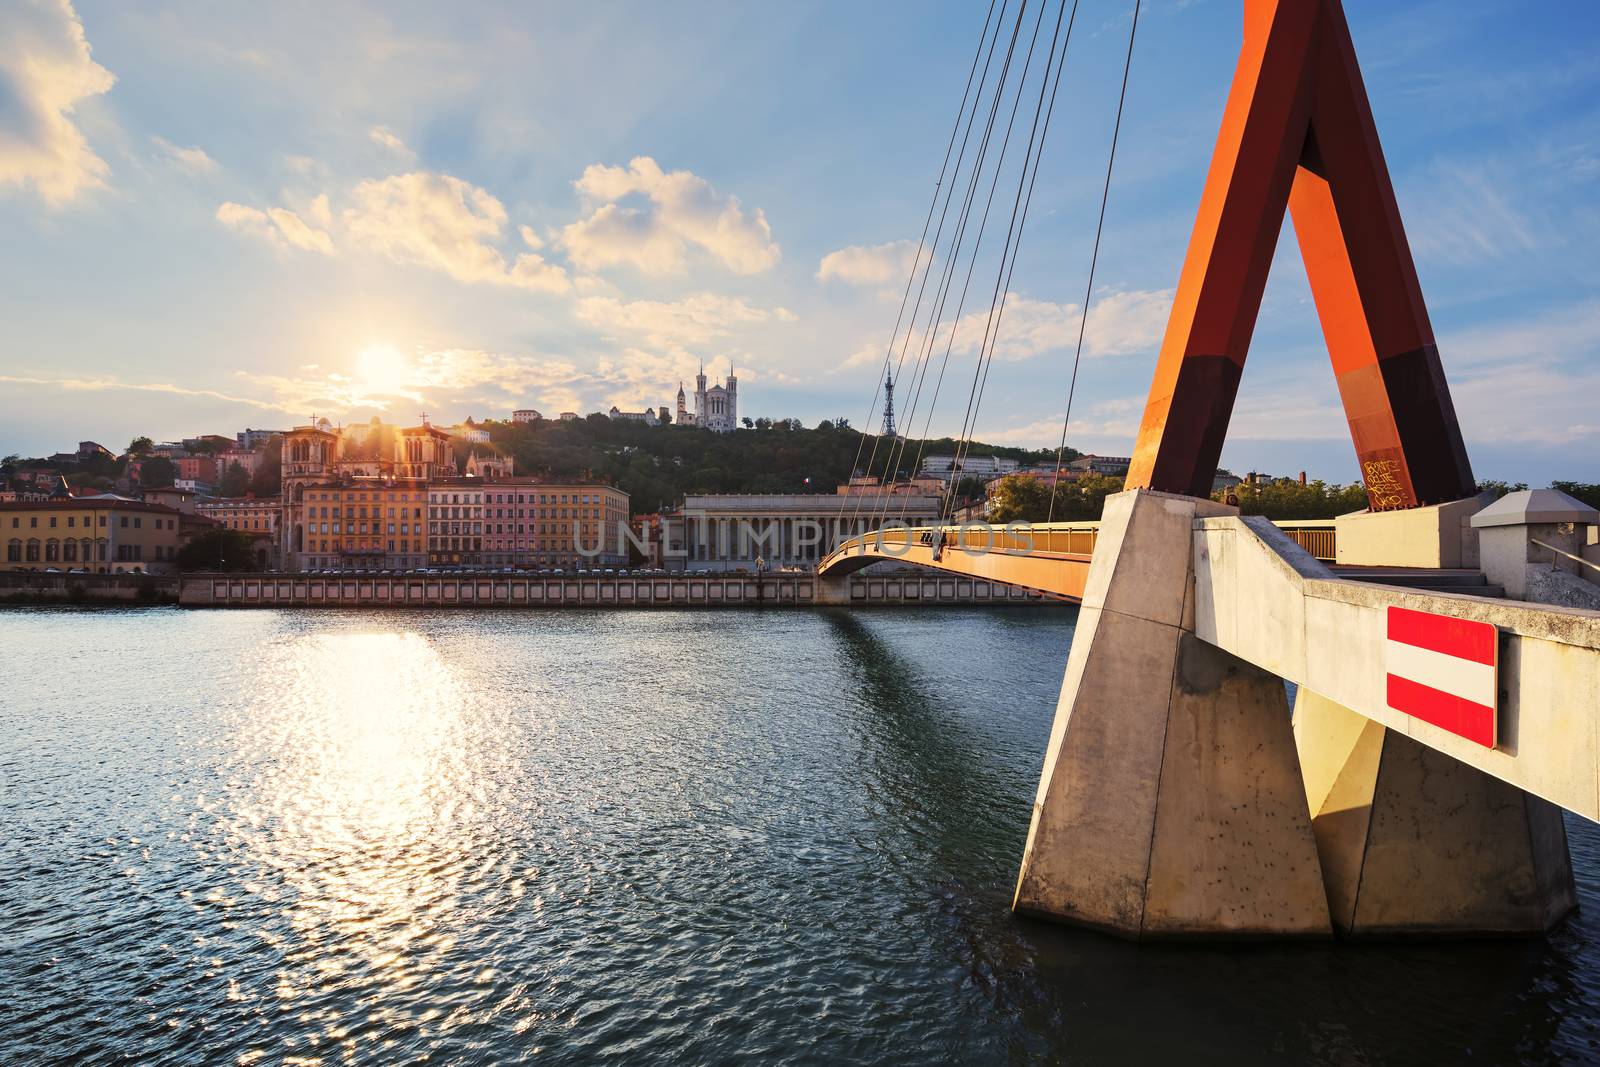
(894, 589)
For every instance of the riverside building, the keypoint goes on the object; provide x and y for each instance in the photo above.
(527, 522)
(102, 535)
(734, 531)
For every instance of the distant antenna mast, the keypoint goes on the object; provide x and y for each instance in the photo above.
(888, 404)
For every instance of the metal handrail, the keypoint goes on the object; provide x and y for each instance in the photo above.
(1563, 552)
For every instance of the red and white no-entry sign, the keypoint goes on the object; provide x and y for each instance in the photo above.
(1444, 671)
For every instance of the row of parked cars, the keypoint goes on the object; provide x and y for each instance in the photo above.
(585, 572)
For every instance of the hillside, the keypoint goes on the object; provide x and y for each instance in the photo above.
(657, 465)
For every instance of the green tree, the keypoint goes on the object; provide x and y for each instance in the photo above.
(140, 446)
(1292, 500)
(267, 480)
(1019, 498)
(157, 471)
(218, 549)
(1588, 492)
(235, 480)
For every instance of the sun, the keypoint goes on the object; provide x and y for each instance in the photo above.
(382, 369)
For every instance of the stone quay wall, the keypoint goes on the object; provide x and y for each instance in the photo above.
(520, 591)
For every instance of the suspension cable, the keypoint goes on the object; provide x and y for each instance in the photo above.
(932, 251)
(958, 238)
(924, 357)
(1035, 153)
(1088, 293)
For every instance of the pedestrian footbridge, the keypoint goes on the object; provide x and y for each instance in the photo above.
(1439, 728)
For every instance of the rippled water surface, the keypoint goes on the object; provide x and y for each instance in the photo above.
(782, 837)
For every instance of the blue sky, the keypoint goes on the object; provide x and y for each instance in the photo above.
(221, 215)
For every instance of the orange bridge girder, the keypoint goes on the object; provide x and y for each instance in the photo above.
(1052, 558)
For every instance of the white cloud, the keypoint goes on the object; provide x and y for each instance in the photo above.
(439, 221)
(424, 376)
(649, 219)
(382, 135)
(878, 265)
(1120, 323)
(278, 226)
(102, 384)
(45, 72)
(1470, 213)
(1108, 426)
(675, 325)
(192, 159)
(1532, 379)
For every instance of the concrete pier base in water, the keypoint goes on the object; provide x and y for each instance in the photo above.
(1171, 803)
(1414, 842)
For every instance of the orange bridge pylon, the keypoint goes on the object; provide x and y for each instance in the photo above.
(1298, 133)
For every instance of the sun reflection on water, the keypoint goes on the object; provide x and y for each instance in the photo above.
(362, 799)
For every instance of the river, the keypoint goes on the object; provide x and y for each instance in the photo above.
(627, 837)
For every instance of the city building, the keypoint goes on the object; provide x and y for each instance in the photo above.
(175, 497)
(490, 466)
(253, 517)
(361, 524)
(569, 416)
(314, 531)
(647, 416)
(455, 522)
(525, 415)
(254, 440)
(941, 467)
(1110, 466)
(530, 523)
(468, 431)
(197, 468)
(103, 534)
(248, 459)
(734, 531)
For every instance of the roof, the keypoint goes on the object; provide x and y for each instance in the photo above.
(1529, 506)
(91, 503)
(426, 428)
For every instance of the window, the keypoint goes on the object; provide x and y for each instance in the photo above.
(14, 552)
(124, 522)
(33, 551)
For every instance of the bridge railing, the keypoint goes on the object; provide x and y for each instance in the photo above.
(1316, 536)
(1059, 539)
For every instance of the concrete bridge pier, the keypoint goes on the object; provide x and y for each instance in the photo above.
(1415, 842)
(1171, 802)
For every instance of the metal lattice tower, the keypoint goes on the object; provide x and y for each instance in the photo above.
(888, 404)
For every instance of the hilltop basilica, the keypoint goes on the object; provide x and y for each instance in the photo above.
(716, 408)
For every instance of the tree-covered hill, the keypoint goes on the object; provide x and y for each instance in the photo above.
(657, 465)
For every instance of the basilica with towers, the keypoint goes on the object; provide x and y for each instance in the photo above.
(716, 408)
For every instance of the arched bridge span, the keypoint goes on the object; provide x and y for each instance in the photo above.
(1052, 558)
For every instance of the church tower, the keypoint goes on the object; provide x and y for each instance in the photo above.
(309, 455)
(683, 412)
(700, 410)
(733, 398)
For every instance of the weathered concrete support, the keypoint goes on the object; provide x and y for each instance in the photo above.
(1170, 804)
(1523, 537)
(1414, 842)
(1434, 537)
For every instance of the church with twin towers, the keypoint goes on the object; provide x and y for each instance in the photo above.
(716, 408)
